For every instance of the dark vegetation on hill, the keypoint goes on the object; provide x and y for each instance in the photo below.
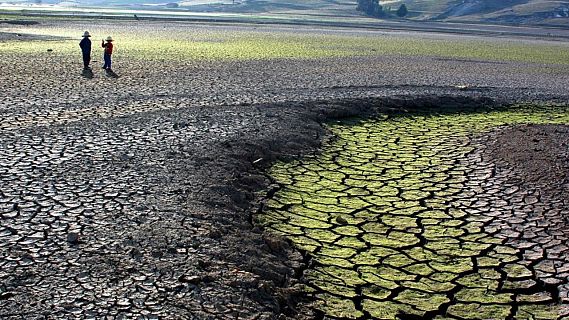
(374, 9)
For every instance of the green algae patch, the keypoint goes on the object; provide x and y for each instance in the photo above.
(478, 311)
(540, 312)
(429, 285)
(375, 292)
(483, 296)
(393, 231)
(517, 271)
(339, 307)
(388, 310)
(477, 281)
(422, 301)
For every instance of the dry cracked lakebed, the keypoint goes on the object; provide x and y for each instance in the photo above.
(412, 217)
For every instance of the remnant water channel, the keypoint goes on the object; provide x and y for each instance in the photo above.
(402, 215)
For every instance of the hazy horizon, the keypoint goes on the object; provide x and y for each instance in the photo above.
(116, 2)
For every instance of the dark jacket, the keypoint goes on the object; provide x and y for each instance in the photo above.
(85, 45)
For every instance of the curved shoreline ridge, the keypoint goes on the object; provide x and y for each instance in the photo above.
(138, 197)
(407, 215)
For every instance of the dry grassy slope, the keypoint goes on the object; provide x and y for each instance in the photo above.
(512, 11)
(324, 7)
(520, 11)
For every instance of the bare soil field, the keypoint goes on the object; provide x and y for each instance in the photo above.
(134, 197)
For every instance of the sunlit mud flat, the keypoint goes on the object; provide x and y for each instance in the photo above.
(402, 215)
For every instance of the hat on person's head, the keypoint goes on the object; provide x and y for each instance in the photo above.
(86, 34)
(109, 38)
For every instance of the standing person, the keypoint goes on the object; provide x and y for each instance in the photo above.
(107, 52)
(85, 45)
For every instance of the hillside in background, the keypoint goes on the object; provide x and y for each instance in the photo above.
(510, 11)
(552, 12)
(507, 11)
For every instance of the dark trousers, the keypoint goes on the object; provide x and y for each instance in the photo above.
(86, 60)
(107, 58)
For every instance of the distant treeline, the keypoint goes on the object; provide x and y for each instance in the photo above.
(374, 9)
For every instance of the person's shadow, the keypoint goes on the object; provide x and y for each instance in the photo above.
(87, 73)
(111, 74)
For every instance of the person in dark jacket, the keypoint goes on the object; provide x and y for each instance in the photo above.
(85, 45)
(107, 53)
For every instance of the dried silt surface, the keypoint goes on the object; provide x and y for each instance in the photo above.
(403, 216)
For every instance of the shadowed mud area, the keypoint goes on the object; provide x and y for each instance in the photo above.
(9, 36)
(538, 154)
(432, 215)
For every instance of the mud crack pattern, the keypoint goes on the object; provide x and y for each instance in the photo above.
(403, 216)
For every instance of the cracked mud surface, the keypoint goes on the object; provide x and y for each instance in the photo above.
(408, 215)
(130, 198)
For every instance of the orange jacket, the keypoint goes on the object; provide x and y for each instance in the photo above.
(108, 47)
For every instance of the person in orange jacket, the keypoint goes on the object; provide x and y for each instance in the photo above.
(107, 52)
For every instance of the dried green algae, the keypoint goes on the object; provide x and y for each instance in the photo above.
(198, 44)
(379, 213)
